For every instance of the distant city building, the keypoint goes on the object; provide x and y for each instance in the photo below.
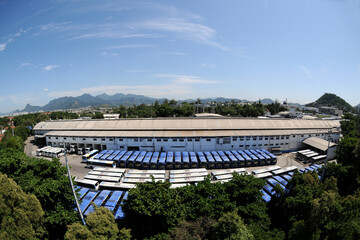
(331, 111)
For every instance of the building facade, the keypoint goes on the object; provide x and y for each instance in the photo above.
(186, 134)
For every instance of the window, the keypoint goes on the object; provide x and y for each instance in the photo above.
(260, 138)
(49, 137)
(254, 145)
(84, 139)
(248, 138)
(56, 138)
(208, 140)
(247, 145)
(241, 139)
(181, 140)
(189, 139)
(271, 138)
(254, 138)
(266, 138)
(282, 137)
(226, 140)
(197, 139)
(103, 139)
(277, 137)
(287, 137)
(149, 139)
(136, 139)
(302, 135)
(64, 138)
(158, 140)
(120, 139)
(234, 138)
(293, 136)
(174, 140)
(111, 139)
(265, 144)
(73, 138)
(281, 144)
(260, 145)
(241, 145)
(165, 139)
(94, 139)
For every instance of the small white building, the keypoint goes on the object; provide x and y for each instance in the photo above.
(111, 116)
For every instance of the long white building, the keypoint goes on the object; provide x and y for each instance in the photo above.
(186, 134)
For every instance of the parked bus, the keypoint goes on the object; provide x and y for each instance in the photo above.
(98, 201)
(87, 183)
(161, 162)
(113, 155)
(89, 155)
(130, 163)
(217, 159)
(202, 160)
(146, 162)
(170, 160)
(87, 200)
(106, 155)
(233, 160)
(154, 160)
(194, 163)
(81, 191)
(113, 200)
(118, 157)
(185, 160)
(119, 213)
(210, 160)
(177, 160)
(226, 160)
(248, 160)
(124, 159)
(139, 159)
(98, 156)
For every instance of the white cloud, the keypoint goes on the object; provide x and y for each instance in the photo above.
(207, 65)
(130, 46)
(186, 79)
(109, 54)
(183, 29)
(46, 90)
(50, 67)
(25, 64)
(2, 47)
(177, 53)
(306, 71)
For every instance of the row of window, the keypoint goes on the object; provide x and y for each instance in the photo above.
(225, 139)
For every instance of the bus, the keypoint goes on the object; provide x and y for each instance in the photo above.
(233, 159)
(248, 160)
(98, 201)
(261, 158)
(139, 159)
(118, 157)
(185, 160)
(124, 159)
(226, 160)
(106, 155)
(170, 160)
(87, 183)
(146, 162)
(255, 160)
(113, 200)
(177, 161)
(89, 155)
(273, 157)
(267, 158)
(218, 160)
(154, 160)
(211, 161)
(119, 214)
(87, 200)
(81, 191)
(193, 160)
(161, 162)
(98, 156)
(202, 160)
(131, 161)
(113, 155)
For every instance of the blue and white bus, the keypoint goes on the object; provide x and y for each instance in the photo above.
(113, 200)
(194, 163)
(119, 214)
(185, 160)
(226, 161)
(124, 159)
(89, 155)
(170, 160)
(154, 160)
(202, 160)
(113, 155)
(161, 162)
(118, 157)
(217, 159)
(87, 200)
(130, 163)
(98, 201)
(146, 162)
(98, 156)
(248, 160)
(106, 155)
(210, 159)
(139, 159)
(233, 160)
(177, 160)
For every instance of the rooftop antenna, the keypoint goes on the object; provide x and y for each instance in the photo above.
(72, 187)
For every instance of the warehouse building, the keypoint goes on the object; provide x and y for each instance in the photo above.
(185, 134)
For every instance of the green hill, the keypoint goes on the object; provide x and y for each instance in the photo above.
(331, 100)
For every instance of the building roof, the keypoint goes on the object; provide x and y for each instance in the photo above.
(185, 124)
(318, 143)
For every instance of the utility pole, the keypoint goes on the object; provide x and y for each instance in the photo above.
(327, 156)
(72, 188)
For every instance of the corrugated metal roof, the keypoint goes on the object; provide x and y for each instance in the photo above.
(186, 124)
(318, 143)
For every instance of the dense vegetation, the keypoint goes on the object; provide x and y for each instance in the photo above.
(331, 100)
(310, 209)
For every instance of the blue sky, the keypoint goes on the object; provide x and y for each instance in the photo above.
(179, 49)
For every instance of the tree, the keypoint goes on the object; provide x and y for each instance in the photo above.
(193, 230)
(21, 215)
(152, 208)
(100, 225)
(231, 226)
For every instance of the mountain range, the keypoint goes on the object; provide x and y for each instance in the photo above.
(86, 100)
